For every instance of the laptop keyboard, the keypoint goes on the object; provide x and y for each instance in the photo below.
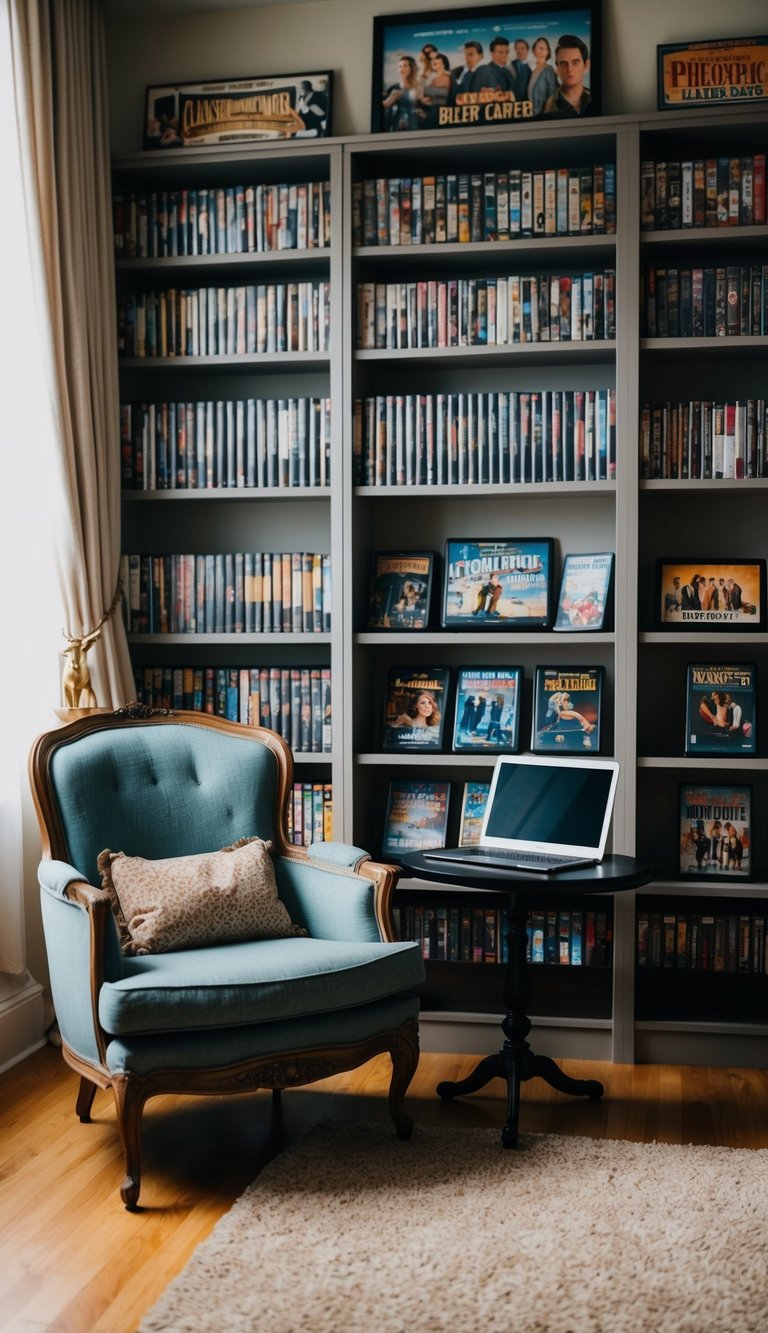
(525, 858)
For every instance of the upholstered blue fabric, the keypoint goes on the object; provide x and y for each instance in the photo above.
(331, 903)
(338, 854)
(256, 982)
(164, 790)
(229, 1046)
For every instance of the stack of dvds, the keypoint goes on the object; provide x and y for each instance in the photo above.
(223, 220)
(293, 701)
(704, 439)
(225, 321)
(716, 301)
(478, 312)
(235, 593)
(705, 192)
(233, 443)
(468, 438)
(468, 207)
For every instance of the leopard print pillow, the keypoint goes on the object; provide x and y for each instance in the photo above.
(187, 902)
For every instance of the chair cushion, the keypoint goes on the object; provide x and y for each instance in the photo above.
(185, 902)
(255, 982)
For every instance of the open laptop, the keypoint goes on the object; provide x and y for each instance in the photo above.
(543, 815)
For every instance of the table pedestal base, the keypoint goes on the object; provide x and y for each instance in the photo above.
(516, 1062)
(516, 1066)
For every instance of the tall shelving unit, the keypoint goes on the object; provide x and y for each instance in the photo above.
(263, 518)
(714, 1016)
(575, 1014)
(461, 1005)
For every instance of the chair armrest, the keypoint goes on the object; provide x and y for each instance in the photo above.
(338, 854)
(334, 900)
(76, 945)
(57, 876)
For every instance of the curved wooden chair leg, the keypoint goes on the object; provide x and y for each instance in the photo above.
(129, 1104)
(405, 1058)
(85, 1096)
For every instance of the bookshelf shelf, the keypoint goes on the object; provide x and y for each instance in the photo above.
(639, 520)
(223, 494)
(231, 362)
(531, 354)
(566, 490)
(232, 640)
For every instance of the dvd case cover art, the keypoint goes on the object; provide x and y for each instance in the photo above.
(720, 709)
(473, 802)
(487, 710)
(414, 709)
(498, 583)
(416, 817)
(400, 590)
(584, 602)
(715, 831)
(567, 710)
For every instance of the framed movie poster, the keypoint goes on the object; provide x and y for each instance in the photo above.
(726, 595)
(224, 111)
(567, 707)
(709, 74)
(585, 592)
(414, 709)
(498, 583)
(487, 710)
(485, 66)
(715, 832)
(720, 708)
(401, 583)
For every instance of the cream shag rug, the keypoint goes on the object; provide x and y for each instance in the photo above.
(352, 1230)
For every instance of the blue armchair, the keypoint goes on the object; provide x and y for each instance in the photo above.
(221, 1017)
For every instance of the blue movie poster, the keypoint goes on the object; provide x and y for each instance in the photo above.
(498, 584)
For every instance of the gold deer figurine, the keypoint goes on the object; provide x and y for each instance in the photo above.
(76, 678)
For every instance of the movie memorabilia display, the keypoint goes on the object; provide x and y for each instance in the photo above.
(221, 111)
(720, 708)
(711, 73)
(498, 583)
(715, 832)
(401, 584)
(585, 592)
(487, 712)
(416, 818)
(724, 595)
(473, 802)
(567, 706)
(486, 65)
(414, 709)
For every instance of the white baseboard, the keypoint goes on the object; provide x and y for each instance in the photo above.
(22, 1020)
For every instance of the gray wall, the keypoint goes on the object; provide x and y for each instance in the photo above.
(337, 35)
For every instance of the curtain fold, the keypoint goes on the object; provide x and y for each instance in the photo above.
(59, 408)
(63, 49)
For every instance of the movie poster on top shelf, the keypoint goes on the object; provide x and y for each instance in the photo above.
(715, 832)
(226, 111)
(498, 583)
(567, 710)
(401, 584)
(720, 709)
(414, 709)
(486, 65)
(487, 710)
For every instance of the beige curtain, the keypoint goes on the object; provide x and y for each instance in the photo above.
(60, 48)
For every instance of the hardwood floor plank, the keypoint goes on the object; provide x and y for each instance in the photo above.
(76, 1262)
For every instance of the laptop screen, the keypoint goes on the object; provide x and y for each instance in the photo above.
(554, 805)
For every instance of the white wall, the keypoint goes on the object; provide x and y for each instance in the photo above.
(337, 35)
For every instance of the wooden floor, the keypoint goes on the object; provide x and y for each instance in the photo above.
(73, 1259)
